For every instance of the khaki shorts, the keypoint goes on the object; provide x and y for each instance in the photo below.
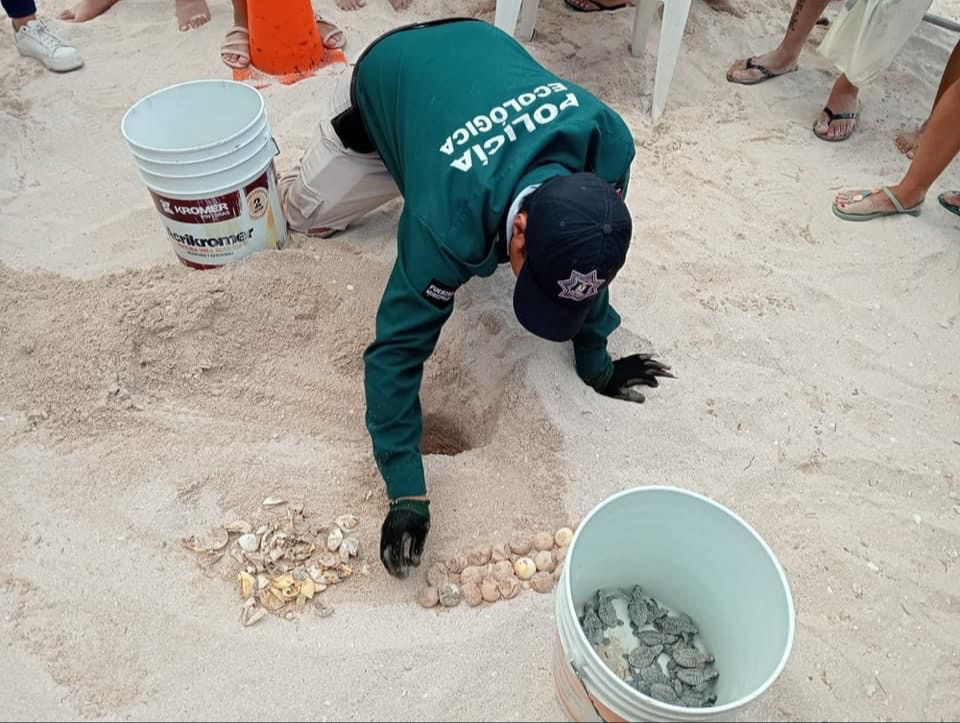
(334, 186)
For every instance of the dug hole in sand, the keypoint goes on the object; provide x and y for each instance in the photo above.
(141, 402)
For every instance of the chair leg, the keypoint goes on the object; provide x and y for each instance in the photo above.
(675, 14)
(641, 26)
(507, 13)
(528, 18)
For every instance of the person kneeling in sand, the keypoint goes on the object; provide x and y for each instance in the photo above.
(498, 161)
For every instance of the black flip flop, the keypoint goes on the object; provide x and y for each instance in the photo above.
(952, 208)
(598, 8)
(833, 118)
(767, 74)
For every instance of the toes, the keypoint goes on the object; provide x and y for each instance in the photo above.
(68, 15)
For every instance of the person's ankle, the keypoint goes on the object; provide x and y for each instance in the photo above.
(908, 196)
(20, 22)
(786, 55)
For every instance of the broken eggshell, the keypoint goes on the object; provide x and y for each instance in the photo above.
(334, 539)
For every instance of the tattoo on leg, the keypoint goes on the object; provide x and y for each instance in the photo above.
(796, 15)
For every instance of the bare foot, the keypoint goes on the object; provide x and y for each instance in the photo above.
(86, 10)
(725, 6)
(191, 14)
(332, 36)
(592, 6)
(844, 98)
(400, 4)
(776, 63)
(909, 141)
(351, 4)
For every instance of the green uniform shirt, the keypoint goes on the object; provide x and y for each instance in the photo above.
(464, 120)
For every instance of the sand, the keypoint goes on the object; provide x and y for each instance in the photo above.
(818, 394)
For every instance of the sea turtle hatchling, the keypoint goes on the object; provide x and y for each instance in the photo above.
(642, 656)
(679, 625)
(692, 699)
(653, 673)
(655, 637)
(696, 676)
(664, 693)
(592, 627)
(690, 657)
(639, 612)
(606, 611)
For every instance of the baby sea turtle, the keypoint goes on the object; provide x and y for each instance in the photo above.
(642, 656)
(680, 625)
(654, 611)
(664, 693)
(696, 676)
(655, 637)
(690, 657)
(592, 627)
(653, 673)
(606, 611)
(692, 699)
(639, 612)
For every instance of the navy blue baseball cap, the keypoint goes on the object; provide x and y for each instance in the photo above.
(578, 233)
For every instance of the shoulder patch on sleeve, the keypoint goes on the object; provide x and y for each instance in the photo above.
(439, 294)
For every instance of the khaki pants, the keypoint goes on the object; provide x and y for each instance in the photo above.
(334, 186)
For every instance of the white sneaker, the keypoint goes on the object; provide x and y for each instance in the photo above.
(34, 40)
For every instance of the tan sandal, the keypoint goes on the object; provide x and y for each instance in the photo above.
(237, 43)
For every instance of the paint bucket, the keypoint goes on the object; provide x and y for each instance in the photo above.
(205, 151)
(690, 554)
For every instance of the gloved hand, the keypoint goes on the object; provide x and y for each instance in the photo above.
(404, 535)
(633, 371)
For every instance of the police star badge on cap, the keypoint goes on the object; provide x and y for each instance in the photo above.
(580, 287)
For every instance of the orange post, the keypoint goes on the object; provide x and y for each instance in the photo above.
(284, 41)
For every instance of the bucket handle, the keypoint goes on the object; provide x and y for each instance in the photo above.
(586, 692)
(275, 145)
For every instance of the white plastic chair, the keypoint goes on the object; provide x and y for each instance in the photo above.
(675, 13)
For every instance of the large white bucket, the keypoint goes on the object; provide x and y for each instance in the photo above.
(205, 151)
(691, 554)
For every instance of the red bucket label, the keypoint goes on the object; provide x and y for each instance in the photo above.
(210, 232)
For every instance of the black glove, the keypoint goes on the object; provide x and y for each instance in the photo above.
(633, 371)
(404, 535)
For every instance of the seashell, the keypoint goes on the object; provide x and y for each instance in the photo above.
(249, 542)
(457, 564)
(350, 547)
(490, 590)
(503, 569)
(274, 501)
(472, 594)
(251, 614)
(544, 561)
(543, 541)
(429, 597)
(472, 574)
(437, 575)
(479, 556)
(563, 537)
(561, 554)
(261, 531)
(520, 544)
(450, 595)
(525, 568)
(211, 541)
(308, 588)
(238, 527)
(500, 552)
(542, 582)
(270, 601)
(348, 523)
(509, 587)
(328, 559)
(334, 539)
(248, 585)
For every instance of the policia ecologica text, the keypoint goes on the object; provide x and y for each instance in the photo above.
(498, 161)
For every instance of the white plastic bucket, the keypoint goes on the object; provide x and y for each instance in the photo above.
(205, 151)
(691, 554)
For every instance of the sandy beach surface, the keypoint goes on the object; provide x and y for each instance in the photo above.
(141, 402)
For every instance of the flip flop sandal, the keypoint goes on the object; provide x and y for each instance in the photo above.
(767, 74)
(333, 32)
(899, 209)
(237, 43)
(597, 7)
(951, 207)
(833, 118)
